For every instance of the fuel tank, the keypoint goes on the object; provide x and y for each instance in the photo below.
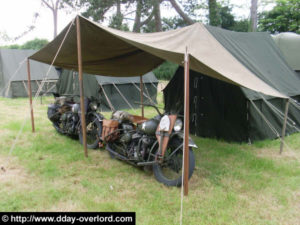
(148, 127)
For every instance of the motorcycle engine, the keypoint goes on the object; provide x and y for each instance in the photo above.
(68, 122)
(126, 137)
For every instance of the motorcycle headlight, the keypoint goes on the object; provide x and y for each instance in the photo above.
(178, 125)
(94, 106)
(75, 108)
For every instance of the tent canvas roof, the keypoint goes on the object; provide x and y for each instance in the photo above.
(259, 53)
(10, 60)
(112, 52)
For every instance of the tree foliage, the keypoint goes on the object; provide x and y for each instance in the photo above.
(35, 44)
(285, 16)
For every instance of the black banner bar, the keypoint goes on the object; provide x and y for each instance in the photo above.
(124, 218)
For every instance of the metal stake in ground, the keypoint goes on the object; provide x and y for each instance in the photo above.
(30, 96)
(284, 124)
(83, 123)
(186, 121)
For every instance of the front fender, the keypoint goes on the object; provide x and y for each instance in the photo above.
(97, 115)
(181, 136)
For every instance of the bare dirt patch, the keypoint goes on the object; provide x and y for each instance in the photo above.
(11, 172)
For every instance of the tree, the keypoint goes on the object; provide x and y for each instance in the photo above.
(35, 44)
(157, 16)
(285, 16)
(253, 15)
(54, 6)
(213, 15)
(241, 25)
(184, 16)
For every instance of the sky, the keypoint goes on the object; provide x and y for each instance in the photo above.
(17, 15)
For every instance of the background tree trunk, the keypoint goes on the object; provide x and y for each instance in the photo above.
(157, 16)
(253, 15)
(55, 22)
(185, 17)
(137, 19)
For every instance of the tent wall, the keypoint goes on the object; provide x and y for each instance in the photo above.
(223, 111)
(131, 93)
(258, 128)
(19, 88)
(13, 73)
(94, 85)
(217, 109)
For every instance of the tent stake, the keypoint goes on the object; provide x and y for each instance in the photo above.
(284, 125)
(30, 96)
(186, 122)
(142, 97)
(82, 108)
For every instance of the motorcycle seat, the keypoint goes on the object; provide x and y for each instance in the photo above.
(137, 119)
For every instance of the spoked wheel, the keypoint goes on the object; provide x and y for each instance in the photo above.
(169, 172)
(58, 127)
(93, 132)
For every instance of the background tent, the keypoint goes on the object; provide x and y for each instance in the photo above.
(289, 44)
(15, 84)
(118, 92)
(225, 111)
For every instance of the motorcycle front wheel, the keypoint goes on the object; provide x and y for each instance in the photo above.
(93, 132)
(169, 172)
(57, 126)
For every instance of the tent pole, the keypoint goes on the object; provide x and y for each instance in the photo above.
(30, 96)
(142, 97)
(284, 124)
(82, 108)
(186, 122)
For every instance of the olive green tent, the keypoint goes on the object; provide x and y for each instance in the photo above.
(229, 112)
(289, 44)
(111, 52)
(13, 74)
(114, 93)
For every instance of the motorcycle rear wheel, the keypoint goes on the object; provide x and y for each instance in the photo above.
(170, 173)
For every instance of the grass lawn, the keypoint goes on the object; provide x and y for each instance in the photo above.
(232, 183)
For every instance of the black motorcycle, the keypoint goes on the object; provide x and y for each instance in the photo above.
(135, 140)
(65, 116)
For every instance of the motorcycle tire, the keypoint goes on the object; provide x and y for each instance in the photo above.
(57, 128)
(94, 144)
(160, 177)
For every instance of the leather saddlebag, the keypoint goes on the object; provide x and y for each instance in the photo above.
(109, 128)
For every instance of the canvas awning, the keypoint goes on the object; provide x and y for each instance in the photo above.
(111, 52)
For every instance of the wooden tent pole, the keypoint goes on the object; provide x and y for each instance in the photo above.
(186, 122)
(284, 124)
(82, 108)
(142, 92)
(30, 96)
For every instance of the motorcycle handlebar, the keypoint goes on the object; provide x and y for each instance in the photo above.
(151, 105)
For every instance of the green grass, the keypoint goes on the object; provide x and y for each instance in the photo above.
(232, 183)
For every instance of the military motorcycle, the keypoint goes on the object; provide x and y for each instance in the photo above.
(65, 116)
(155, 144)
